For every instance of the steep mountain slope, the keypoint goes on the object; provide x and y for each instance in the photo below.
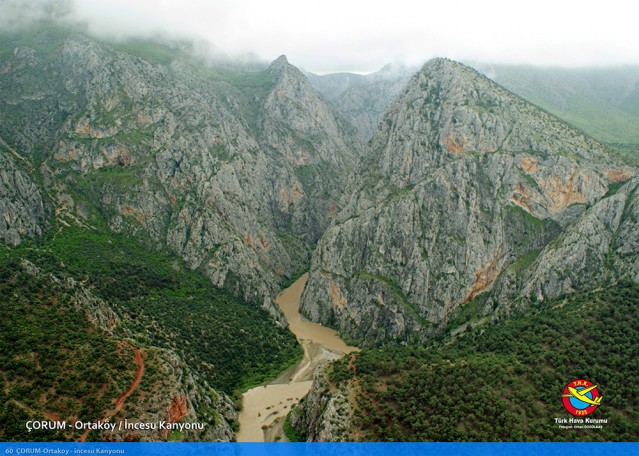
(67, 355)
(24, 214)
(129, 174)
(599, 248)
(104, 296)
(464, 179)
(237, 173)
(498, 382)
(604, 102)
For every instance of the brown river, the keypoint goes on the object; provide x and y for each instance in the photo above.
(265, 407)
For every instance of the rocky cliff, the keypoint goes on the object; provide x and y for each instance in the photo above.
(598, 248)
(463, 180)
(326, 413)
(22, 207)
(236, 172)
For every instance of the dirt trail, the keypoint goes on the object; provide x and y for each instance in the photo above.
(264, 407)
(138, 376)
(119, 403)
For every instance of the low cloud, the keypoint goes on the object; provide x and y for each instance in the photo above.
(16, 14)
(336, 35)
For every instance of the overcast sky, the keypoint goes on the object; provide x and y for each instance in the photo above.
(337, 35)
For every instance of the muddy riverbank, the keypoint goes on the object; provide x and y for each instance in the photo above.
(265, 407)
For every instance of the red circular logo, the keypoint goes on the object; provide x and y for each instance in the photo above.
(581, 397)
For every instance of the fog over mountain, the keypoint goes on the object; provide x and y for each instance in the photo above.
(602, 101)
(358, 36)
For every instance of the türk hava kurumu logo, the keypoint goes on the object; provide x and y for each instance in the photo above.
(581, 397)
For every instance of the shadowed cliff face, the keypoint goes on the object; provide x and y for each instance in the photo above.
(463, 182)
(238, 173)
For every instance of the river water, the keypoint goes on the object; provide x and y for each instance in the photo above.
(265, 407)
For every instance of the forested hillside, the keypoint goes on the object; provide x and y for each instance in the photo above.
(77, 304)
(504, 380)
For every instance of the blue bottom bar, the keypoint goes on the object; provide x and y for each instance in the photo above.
(321, 449)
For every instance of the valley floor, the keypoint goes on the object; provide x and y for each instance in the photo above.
(265, 407)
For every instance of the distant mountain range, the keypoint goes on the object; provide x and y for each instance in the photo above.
(363, 99)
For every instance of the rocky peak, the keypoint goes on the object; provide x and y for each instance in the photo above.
(291, 83)
(295, 107)
(464, 181)
(448, 111)
(298, 126)
(279, 62)
(236, 174)
(281, 69)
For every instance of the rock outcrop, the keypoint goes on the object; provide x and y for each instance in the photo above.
(23, 211)
(325, 414)
(599, 248)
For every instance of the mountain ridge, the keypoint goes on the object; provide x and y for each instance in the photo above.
(235, 133)
(600, 101)
(463, 179)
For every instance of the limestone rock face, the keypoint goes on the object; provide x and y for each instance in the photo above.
(463, 180)
(298, 127)
(23, 211)
(449, 111)
(625, 243)
(600, 247)
(236, 172)
(325, 414)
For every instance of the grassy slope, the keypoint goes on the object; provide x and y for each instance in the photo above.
(506, 383)
(603, 102)
(605, 123)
